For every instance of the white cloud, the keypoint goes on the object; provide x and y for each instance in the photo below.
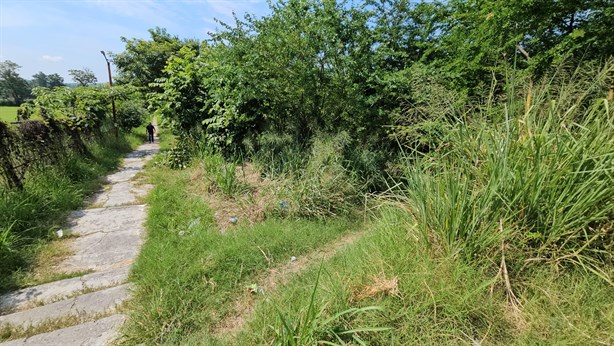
(52, 58)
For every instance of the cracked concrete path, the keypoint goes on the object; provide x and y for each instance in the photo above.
(108, 236)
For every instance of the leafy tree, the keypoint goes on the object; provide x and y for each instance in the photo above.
(47, 81)
(12, 86)
(472, 39)
(143, 61)
(84, 77)
(324, 66)
(183, 99)
(298, 72)
(40, 80)
(54, 80)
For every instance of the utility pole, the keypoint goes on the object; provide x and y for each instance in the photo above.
(115, 132)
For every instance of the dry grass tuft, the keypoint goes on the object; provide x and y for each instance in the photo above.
(249, 206)
(379, 285)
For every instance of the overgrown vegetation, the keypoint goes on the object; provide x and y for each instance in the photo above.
(489, 173)
(50, 165)
(473, 141)
(191, 271)
(427, 297)
(500, 231)
(528, 180)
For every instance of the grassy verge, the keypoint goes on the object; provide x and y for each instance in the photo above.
(427, 299)
(190, 274)
(29, 218)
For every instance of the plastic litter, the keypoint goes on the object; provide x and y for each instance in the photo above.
(194, 222)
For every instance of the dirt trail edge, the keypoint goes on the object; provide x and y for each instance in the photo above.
(244, 306)
(108, 236)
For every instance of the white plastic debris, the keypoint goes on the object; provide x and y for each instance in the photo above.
(60, 233)
(233, 219)
(292, 259)
(194, 222)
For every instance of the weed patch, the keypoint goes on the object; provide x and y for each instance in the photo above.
(189, 274)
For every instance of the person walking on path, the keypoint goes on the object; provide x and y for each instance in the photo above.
(150, 133)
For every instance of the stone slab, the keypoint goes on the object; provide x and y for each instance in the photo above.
(96, 333)
(108, 220)
(93, 303)
(103, 251)
(54, 291)
(124, 175)
(143, 151)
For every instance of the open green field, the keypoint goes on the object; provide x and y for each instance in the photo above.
(8, 113)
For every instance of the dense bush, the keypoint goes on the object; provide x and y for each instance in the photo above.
(326, 95)
(131, 114)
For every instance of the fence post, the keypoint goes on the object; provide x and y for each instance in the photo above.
(8, 169)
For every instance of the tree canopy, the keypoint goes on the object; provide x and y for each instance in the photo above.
(363, 67)
(41, 79)
(13, 87)
(84, 76)
(143, 61)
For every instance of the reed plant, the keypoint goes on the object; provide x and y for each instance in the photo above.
(538, 178)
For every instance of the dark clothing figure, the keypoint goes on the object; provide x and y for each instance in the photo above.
(150, 133)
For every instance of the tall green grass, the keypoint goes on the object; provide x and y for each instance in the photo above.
(539, 181)
(436, 298)
(221, 174)
(314, 182)
(319, 183)
(313, 326)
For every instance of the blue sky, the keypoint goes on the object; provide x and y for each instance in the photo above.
(54, 36)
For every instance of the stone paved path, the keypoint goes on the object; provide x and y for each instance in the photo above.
(109, 235)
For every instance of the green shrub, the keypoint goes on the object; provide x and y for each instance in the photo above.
(130, 114)
(276, 154)
(221, 174)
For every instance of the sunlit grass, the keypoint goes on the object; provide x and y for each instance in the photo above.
(189, 273)
(8, 113)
